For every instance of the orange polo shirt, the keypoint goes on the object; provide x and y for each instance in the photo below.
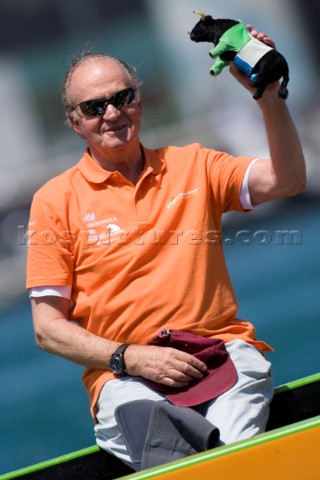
(145, 257)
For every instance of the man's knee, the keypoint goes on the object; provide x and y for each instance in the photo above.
(159, 432)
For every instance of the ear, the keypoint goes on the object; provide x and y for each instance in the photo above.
(74, 122)
(140, 104)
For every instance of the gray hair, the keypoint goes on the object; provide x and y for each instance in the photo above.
(81, 58)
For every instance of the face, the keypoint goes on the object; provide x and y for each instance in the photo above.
(98, 78)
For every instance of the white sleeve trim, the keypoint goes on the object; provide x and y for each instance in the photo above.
(245, 199)
(54, 291)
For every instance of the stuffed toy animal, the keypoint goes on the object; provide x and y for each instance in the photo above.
(233, 42)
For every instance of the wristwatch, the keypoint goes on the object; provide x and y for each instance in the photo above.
(116, 363)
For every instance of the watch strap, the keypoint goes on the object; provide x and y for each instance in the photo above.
(118, 353)
(120, 350)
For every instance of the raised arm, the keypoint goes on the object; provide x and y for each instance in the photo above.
(284, 173)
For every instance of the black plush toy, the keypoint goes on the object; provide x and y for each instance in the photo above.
(233, 42)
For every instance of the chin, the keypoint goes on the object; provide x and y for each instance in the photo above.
(115, 145)
(119, 141)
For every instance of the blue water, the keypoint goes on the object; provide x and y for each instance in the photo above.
(44, 410)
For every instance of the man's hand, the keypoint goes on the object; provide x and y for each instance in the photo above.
(245, 79)
(263, 37)
(165, 365)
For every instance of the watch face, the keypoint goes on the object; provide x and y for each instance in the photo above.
(116, 365)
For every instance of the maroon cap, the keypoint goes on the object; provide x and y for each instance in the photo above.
(220, 376)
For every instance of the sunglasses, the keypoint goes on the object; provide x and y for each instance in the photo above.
(98, 107)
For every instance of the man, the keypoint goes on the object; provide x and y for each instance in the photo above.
(127, 243)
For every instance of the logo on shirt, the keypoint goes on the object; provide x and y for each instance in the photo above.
(104, 231)
(181, 195)
(89, 217)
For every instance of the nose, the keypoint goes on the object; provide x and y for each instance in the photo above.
(111, 113)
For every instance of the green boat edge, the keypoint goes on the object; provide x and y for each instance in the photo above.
(194, 459)
(219, 452)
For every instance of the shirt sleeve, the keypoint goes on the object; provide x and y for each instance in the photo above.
(50, 259)
(51, 291)
(227, 175)
(245, 199)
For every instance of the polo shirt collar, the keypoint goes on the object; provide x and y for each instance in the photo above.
(91, 170)
(153, 163)
(94, 173)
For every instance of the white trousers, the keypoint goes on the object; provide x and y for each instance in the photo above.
(239, 413)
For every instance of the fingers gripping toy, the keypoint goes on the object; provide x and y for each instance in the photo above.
(233, 42)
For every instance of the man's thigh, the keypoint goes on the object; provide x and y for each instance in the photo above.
(243, 411)
(115, 393)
